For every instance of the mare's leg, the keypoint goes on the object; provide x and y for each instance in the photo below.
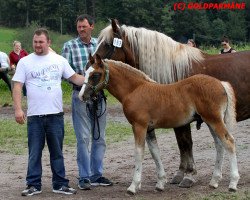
(185, 144)
(140, 136)
(155, 152)
(229, 144)
(217, 173)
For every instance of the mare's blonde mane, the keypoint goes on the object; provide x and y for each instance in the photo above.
(159, 56)
(128, 67)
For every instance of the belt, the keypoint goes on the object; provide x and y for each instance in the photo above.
(48, 115)
(77, 88)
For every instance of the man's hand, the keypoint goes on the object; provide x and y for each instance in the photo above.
(20, 116)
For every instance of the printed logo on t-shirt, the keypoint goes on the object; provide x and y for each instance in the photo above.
(48, 78)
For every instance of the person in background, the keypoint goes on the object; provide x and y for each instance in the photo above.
(89, 119)
(191, 43)
(42, 72)
(226, 47)
(15, 56)
(4, 68)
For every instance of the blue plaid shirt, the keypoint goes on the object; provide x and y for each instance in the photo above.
(77, 53)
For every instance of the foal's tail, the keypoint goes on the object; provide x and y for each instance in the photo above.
(230, 112)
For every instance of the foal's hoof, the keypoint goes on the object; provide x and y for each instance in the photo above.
(187, 182)
(213, 186)
(131, 190)
(131, 193)
(160, 186)
(178, 176)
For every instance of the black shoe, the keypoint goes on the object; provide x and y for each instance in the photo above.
(65, 190)
(84, 184)
(30, 190)
(102, 181)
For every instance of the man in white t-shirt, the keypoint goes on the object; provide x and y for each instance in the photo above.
(41, 72)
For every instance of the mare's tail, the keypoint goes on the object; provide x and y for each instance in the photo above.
(230, 112)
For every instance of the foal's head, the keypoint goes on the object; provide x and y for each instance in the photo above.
(96, 78)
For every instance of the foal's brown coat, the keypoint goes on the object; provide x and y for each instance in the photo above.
(149, 104)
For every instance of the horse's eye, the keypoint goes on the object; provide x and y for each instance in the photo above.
(108, 45)
(95, 77)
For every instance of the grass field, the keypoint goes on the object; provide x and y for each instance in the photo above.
(7, 36)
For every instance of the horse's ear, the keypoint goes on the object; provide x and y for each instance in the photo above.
(91, 59)
(115, 26)
(99, 60)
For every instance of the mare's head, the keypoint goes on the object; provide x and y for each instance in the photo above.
(113, 44)
(96, 78)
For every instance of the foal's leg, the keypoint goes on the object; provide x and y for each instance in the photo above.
(185, 144)
(229, 144)
(155, 152)
(217, 174)
(139, 135)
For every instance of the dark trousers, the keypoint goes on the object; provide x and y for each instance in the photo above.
(4, 76)
(48, 128)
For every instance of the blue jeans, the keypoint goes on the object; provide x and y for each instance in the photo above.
(90, 146)
(51, 129)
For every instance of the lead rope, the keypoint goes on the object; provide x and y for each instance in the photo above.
(94, 116)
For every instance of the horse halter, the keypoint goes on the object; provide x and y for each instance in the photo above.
(104, 83)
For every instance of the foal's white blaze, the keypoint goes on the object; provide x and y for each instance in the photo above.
(90, 69)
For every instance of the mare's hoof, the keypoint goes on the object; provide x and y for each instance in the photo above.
(178, 177)
(159, 189)
(232, 189)
(187, 182)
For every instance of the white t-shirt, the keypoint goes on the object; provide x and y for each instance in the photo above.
(42, 77)
(4, 60)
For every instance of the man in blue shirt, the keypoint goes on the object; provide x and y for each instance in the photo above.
(89, 119)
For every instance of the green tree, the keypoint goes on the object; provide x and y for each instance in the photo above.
(166, 18)
(219, 29)
(236, 26)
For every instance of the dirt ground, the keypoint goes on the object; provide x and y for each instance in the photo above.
(119, 164)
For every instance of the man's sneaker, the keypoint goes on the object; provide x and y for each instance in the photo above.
(102, 181)
(65, 190)
(84, 184)
(30, 190)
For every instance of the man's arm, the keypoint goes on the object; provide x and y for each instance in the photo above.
(77, 79)
(17, 98)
